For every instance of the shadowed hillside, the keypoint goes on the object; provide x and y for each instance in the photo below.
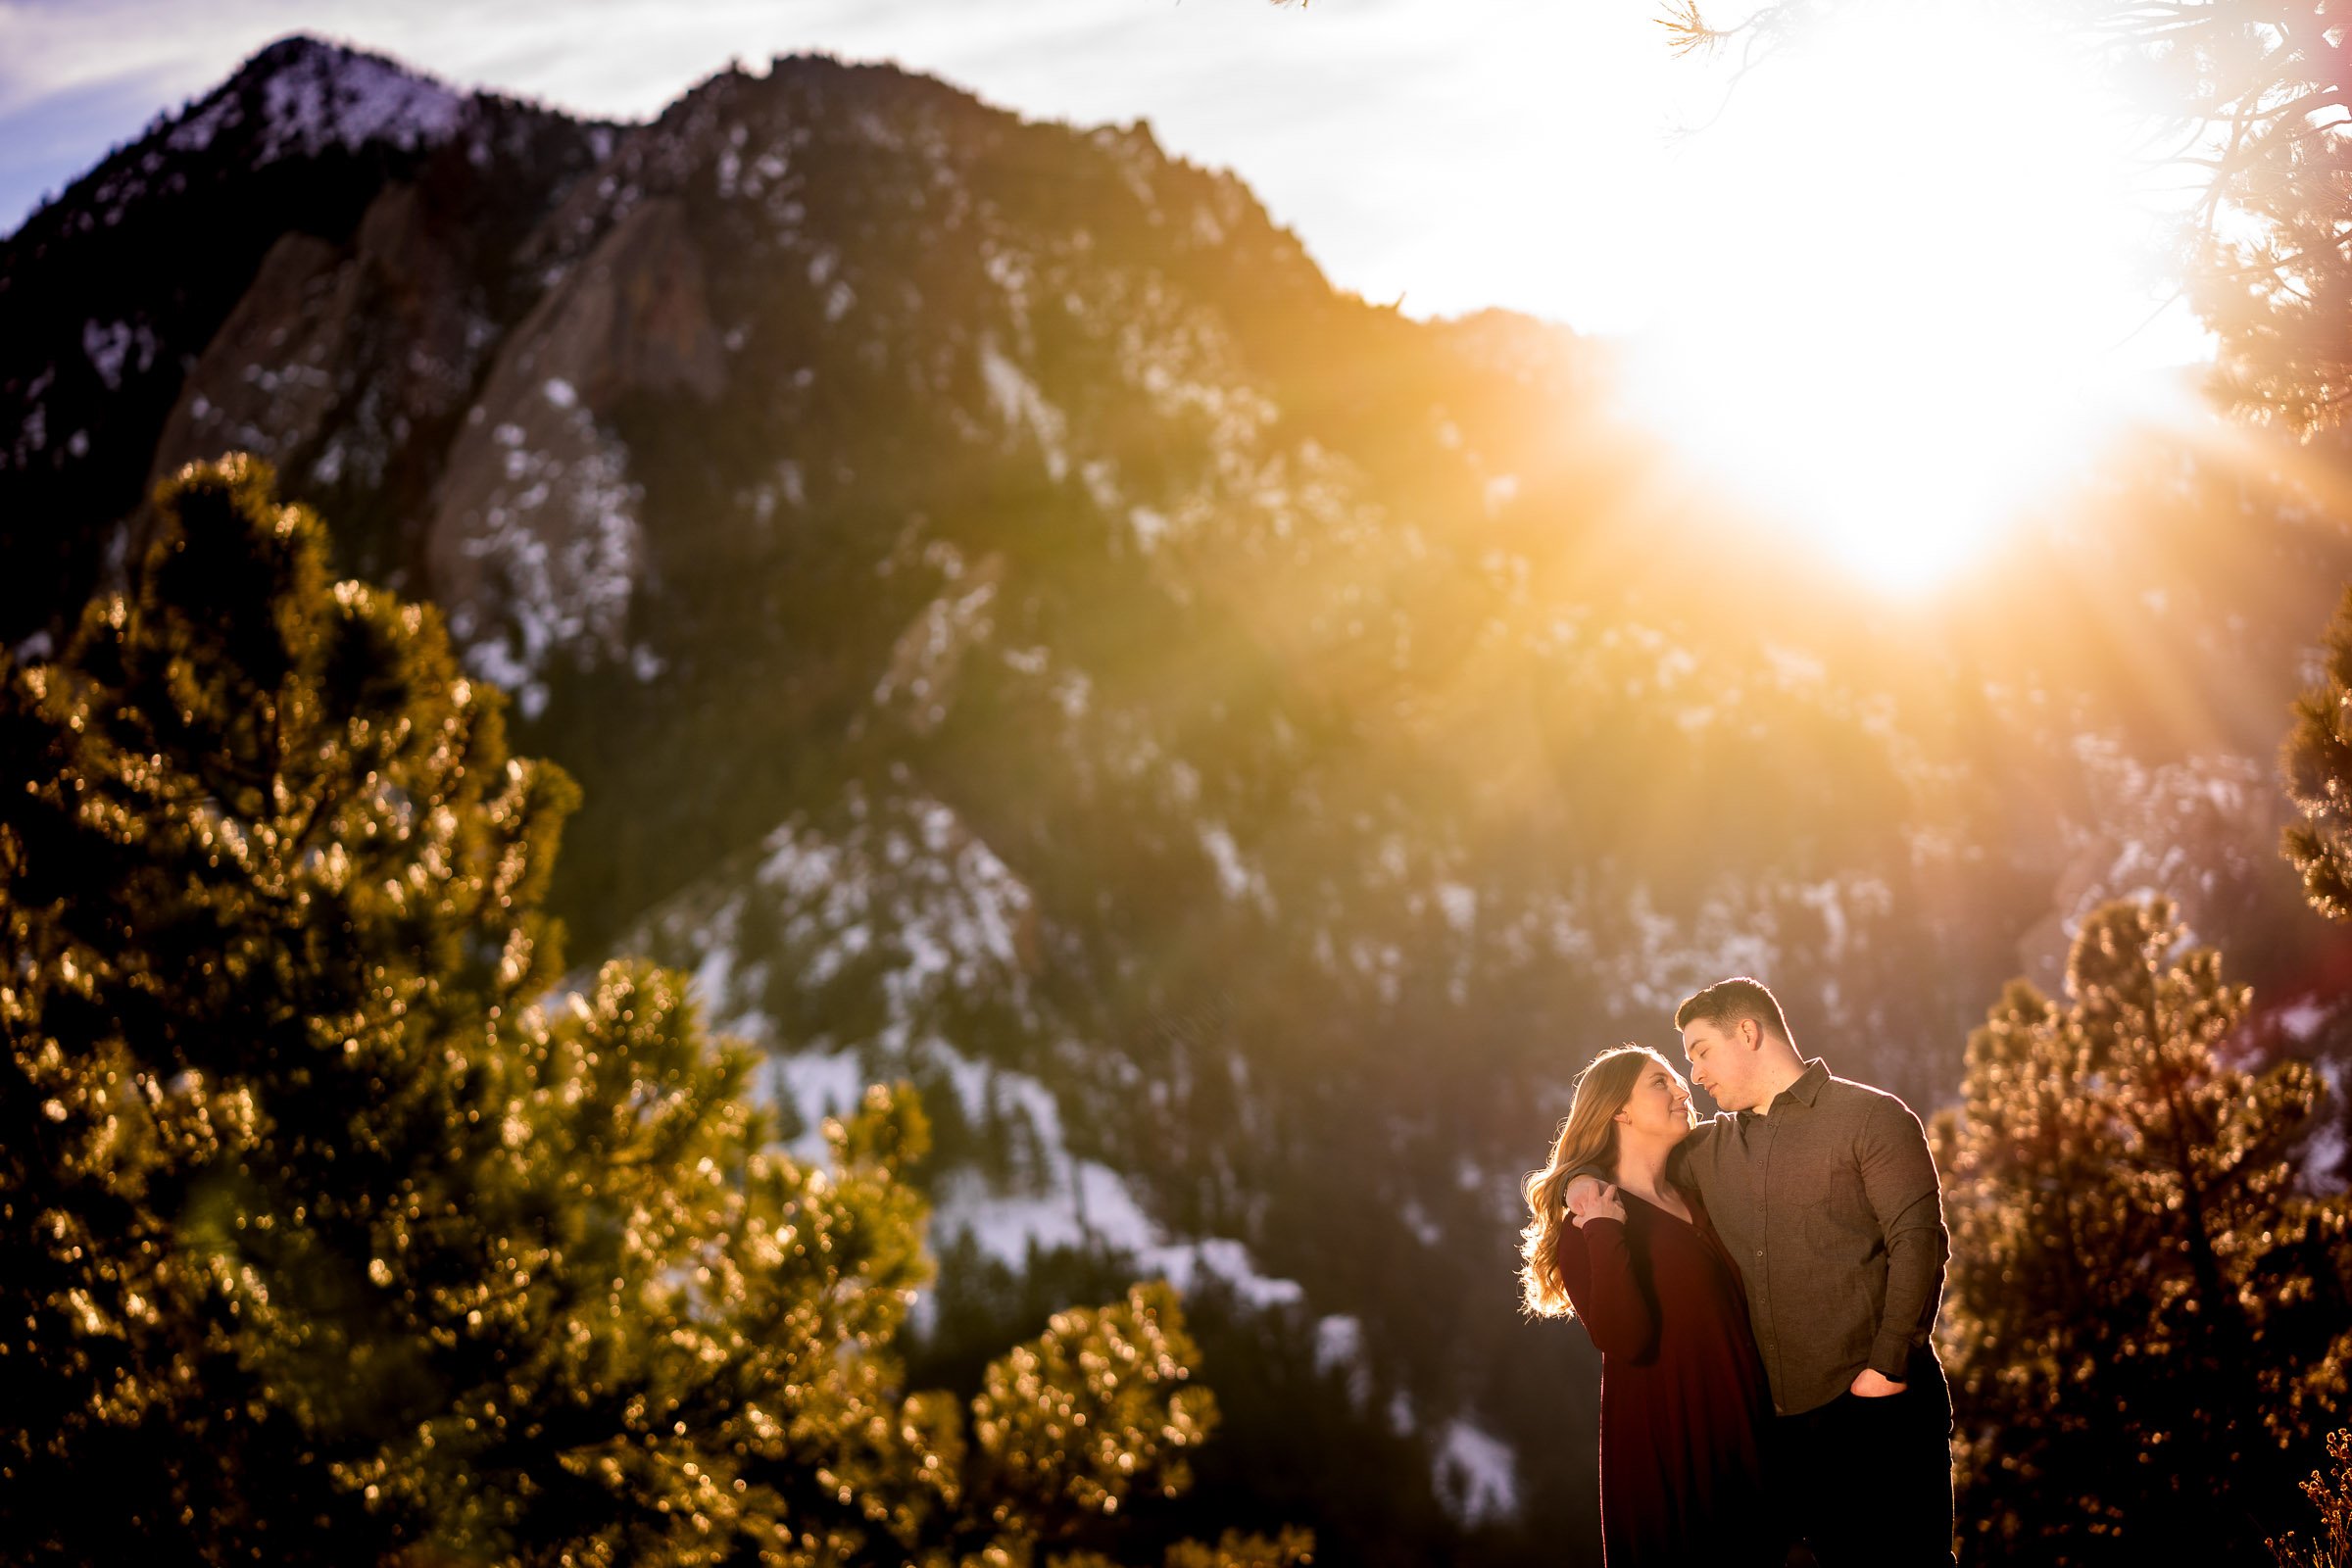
(1236, 749)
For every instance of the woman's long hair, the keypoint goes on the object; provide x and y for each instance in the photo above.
(1588, 1137)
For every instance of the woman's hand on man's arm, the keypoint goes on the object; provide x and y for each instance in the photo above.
(1590, 1197)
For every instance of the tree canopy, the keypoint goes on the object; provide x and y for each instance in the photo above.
(338, 1228)
(2317, 765)
(2150, 1320)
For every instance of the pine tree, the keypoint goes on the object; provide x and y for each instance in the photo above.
(2145, 1318)
(2331, 1493)
(1292, 1549)
(2316, 763)
(326, 1235)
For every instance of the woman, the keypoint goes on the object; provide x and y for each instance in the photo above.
(1682, 1396)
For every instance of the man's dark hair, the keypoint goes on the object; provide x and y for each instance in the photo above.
(1727, 1002)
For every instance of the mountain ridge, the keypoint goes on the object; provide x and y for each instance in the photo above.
(1238, 749)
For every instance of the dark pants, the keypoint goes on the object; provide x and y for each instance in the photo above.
(1868, 1483)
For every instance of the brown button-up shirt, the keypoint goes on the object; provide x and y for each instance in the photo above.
(1831, 1206)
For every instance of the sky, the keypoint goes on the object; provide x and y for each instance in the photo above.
(1550, 155)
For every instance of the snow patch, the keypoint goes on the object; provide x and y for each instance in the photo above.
(1020, 405)
(111, 346)
(321, 97)
(1236, 878)
(908, 879)
(1080, 1202)
(1652, 961)
(2302, 1020)
(816, 1085)
(564, 541)
(898, 895)
(1339, 1350)
(330, 98)
(2186, 829)
(1069, 1203)
(1477, 1474)
(197, 132)
(929, 652)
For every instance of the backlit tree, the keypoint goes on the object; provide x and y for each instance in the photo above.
(2331, 1493)
(2147, 1321)
(2317, 765)
(330, 1232)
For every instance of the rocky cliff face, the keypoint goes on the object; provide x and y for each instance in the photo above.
(310, 261)
(1237, 749)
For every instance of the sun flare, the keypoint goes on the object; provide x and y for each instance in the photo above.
(1910, 293)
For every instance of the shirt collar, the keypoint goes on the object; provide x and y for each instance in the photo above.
(1807, 1088)
(1805, 1091)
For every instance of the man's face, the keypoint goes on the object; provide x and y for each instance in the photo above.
(1723, 1060)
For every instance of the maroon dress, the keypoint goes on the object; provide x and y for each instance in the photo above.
(1684, 1401)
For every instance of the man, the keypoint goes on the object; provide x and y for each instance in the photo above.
(1824, 1192)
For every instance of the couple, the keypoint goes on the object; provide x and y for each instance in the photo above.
(1761, 1287)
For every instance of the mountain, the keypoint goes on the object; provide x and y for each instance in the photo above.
(1237, 749)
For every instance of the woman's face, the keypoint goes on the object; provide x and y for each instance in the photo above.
(1659, 1107)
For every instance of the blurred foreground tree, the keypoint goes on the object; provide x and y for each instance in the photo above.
(326, 1237)
(2146, 1320)
(1292, 1548)
(2330, 1492)
(2316, 763)
(2253, 100)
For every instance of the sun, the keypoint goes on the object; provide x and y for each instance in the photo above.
(1904, 292)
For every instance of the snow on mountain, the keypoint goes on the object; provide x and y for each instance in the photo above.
(1340, 1348)
(1022, 405)
(1060, 1201)
(315, 95)
(921, 682)
(566, 588)
(297, 99)
(112, 345)
(907, 883)
(1478, 1473)
(907, 886)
